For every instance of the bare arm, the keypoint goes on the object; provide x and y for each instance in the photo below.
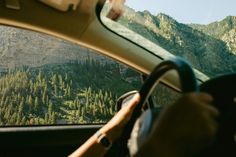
(113, 130)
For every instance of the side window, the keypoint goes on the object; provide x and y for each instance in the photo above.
(49, 81)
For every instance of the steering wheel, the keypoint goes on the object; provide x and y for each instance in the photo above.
(221, 88)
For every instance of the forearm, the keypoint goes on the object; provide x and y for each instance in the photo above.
(111, 131)
(91, 148)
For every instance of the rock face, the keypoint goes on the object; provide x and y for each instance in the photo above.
(20, 47)
(209, 48)
(230, 39)
(224, 30)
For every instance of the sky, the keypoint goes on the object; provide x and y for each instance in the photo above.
(188, 11)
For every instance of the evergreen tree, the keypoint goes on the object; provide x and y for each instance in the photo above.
(36, 104)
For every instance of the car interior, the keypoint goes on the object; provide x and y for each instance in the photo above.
(64, 64)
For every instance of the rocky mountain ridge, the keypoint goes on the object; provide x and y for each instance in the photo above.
(209, 52)
(224, 30)
(209, 48)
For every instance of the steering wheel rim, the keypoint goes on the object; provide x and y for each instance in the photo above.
(187, 81)
(186, 76)
(213, 86)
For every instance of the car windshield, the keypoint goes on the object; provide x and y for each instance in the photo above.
(203, 32)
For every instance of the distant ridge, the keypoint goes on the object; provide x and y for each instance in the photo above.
(210, 48)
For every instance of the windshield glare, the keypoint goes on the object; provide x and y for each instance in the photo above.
(202, 32)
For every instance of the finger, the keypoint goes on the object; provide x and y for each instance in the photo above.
(212, 126)
(127, 110)
(211, 110)
(205, 97)
(205, 100)
(133, 102)
(195, 98)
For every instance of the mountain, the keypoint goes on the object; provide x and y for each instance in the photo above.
(224, 30)
(212, 52)
(21, 47)
(209, 48)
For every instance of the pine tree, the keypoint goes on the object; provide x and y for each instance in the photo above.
(21, 106)
(23, 121)
(36, 104)
(44, 97)
(55, 90)
(50, 108)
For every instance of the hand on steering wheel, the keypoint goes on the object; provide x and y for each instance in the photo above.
(182, 129)
(188, 84)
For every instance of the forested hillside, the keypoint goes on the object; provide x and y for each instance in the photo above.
(70, 93)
